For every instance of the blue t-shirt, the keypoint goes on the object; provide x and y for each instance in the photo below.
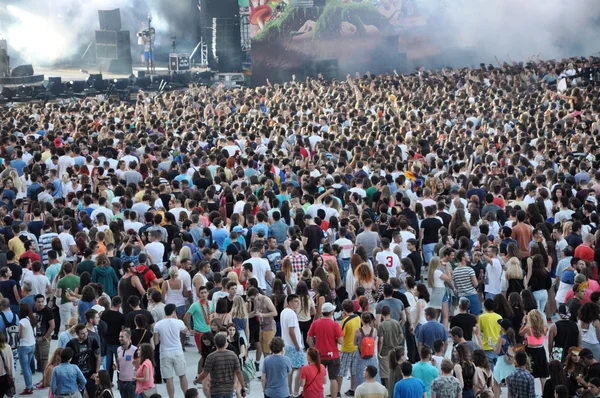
(430, 332)
(409, 388)
(276, 368)
(425, 372)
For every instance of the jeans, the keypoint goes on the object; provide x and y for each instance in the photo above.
(490, 296)
(492, 357)
(25, 358)
(428, 252)
(111, 353)
(126, 389)
(345, 265)
(473, 304)
(541, 298)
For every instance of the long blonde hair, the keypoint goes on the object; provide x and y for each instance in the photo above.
(536, 322)
(434, 263)
(514, 270)
(239, 309)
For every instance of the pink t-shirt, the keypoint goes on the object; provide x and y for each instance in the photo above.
(593, 286)
(140, 386)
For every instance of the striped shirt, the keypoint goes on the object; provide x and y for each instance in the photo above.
(462, 277)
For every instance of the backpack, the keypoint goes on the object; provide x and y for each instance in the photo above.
(509, 356)
(11, 331)
(367, 345)
(142, 277)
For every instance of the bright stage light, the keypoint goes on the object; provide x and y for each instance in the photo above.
(35, 38)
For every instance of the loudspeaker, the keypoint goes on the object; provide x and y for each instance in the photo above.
(141, 74)
(22, 71)
(110, 19)
(113, 44)
(55, 85)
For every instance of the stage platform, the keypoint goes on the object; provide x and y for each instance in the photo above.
(82, 73)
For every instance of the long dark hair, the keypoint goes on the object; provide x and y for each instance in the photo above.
(146, 352)
(502, 307)
(25, 311)
(302, 293)
(557, 374)
(105, 382)
(206, 349)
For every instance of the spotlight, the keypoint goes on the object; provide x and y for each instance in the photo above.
(121, 84)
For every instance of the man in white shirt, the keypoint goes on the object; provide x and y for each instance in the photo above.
(68, 242)
(493, 272)
(167, 333)
(102, 209)
(64, 160)
(389, 258)
(155, 249)
(405, 235)
(261, 270)
(132, 222)
(292, 337)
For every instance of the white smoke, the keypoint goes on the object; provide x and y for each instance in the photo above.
(516, 28)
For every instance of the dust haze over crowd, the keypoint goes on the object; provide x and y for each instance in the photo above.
(478, 30)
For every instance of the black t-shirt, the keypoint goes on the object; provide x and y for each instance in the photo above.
(166, 199)
(139, 337)
(574, 305)
(84, 355)
(17, 272)
(117, 264)
(130, 319)
(115, 322)
(466, 322)
(446, 218)
(431, 227)
(592, 371)
(314, 234)
(417, 261)
(203, 183)
(43, 317)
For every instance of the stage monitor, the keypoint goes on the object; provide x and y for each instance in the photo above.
(22, 71)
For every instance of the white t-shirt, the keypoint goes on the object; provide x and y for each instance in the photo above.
(260, 266)
(390, 260)
(347, 247)
(28, 338)
(493, 277)
(185, 278)
(169, 330)
(288, 319)
(437, 280)
(67, 241)
(39, 283)
(406, 235)
(156, 250)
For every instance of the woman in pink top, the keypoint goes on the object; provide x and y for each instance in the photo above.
(312, 376)
(534, 331)
(144, 375)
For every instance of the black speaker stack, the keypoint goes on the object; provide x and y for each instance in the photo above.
(113, 45)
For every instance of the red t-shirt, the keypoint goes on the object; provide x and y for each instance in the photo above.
(238, 271)
(33, 256)
(148, 277)
(585, 252)
(326, 332)
(313, 381)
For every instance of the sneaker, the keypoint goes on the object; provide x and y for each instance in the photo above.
(27, 391)
(257, 366)
(54, 337)
(39, 385)
(349, 393)
(339, 394)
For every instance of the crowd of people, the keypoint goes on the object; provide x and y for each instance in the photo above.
(432, 234)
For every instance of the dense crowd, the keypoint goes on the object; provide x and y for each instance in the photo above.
(432, 234)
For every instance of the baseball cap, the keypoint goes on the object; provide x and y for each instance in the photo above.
(98, 308)
(505, 324)
(586, 353)
(568, 277)
(238, 229)
(327, 308)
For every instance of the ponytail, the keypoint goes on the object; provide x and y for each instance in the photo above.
(314, 356)
(394, 357)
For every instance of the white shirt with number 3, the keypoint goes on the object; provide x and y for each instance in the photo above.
(391, 261)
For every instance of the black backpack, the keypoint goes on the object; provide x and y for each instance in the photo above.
(11, 331)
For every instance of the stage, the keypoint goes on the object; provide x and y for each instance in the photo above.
(71, 74)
